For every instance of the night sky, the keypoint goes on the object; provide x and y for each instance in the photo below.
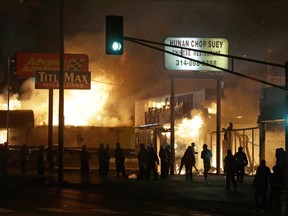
(252, 28)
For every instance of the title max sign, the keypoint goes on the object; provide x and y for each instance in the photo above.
(28, 63)
(72, 80)
(212, 45)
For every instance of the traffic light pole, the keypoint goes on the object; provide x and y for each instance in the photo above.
(61, 95)
(172, 125)
(8, 99)
(285, 199)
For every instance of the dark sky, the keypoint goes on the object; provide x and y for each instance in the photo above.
(252, 27)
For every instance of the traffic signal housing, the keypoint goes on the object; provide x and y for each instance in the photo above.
(114, 35)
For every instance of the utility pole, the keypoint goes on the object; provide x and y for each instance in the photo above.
(285, 198)
(61, 96)
(172, 125)
(8, 99)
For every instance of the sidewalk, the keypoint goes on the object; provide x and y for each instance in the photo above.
(207, 195)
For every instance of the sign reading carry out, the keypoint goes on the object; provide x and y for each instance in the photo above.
(215, 45)
(28, 63)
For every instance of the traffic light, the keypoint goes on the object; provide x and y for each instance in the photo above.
(114, 35)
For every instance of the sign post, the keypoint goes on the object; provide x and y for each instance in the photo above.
(182, 46)
(49, 71)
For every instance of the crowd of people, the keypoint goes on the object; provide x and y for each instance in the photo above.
(45, 160)
(103, 161)
(43, 155)
(275, 181)
(148, 161)
(234, 166)
(234, 170)
(265, 183)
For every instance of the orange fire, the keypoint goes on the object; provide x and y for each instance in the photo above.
(213, 108)
(190, 127)
(81, 107)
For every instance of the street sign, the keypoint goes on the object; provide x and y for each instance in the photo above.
(215, 45)
(28, 63)
(72, 80)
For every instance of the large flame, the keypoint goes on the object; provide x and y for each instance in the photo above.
(186, 132)
(85, 107)
(189, 130)
(81, 107)
(190, 127)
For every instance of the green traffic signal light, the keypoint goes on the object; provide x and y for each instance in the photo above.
(114, 35)
(116, 46)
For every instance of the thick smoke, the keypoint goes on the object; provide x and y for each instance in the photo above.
(251, 27)
(240, 102)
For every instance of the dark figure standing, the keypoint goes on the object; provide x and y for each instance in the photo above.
(85, 163)
(142, 161)
(106, 160)
(260, 183)
(23, 157)
(101, 154)
(50, 155)
(165, 156)
(181, 164)
(2, 159)
(241, 163)
(5, 159)
(152, 163)
(276, 187)
(120, 161)
(280, 162)
(194, 152)
(189, 162)
(41, 160)
(229, 170)
(206, 155)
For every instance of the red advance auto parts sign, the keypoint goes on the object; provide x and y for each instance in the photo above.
(72, 80)
(28, 63)
(45, 68)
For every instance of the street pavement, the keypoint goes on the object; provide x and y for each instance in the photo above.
(201, 195)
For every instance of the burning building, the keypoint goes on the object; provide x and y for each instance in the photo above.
(195, 121)
(87, 118)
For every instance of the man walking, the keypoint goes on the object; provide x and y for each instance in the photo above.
(241, 163)
(206, 155)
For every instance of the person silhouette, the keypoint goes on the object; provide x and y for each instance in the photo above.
(189, 162)
(206, 155)
(85, 166)
(260, 183)
(119, 161)
(229, 170)
(241, 163)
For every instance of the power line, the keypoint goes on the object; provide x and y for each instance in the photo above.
(116, 84)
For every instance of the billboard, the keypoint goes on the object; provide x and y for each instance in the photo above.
(28, 63)
(215, 45)
(72, 80)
